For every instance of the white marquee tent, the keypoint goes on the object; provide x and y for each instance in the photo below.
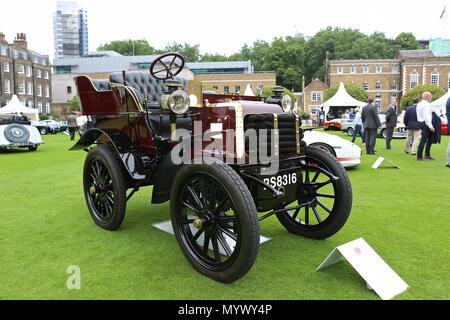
(342, 99)
(440, 104)
(15, 106)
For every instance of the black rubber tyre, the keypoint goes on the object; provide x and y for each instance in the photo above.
(209, 194)
(104, 188)
(350, 131)
(33, 148)
(16, 133)
(43, 131)
(299, 222)
(325, 147)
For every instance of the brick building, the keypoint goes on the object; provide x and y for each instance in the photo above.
(25, 73)
(387, 78)
(313, 95)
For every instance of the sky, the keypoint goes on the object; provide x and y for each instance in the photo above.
(223, 26)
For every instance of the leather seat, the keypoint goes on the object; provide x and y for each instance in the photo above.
(143, 81)
(101, 85)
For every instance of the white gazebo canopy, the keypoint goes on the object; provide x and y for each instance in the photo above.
(248, 91)
(15, 106)
(440, 104)
(342, 99)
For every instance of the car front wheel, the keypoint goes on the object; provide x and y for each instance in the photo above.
(215, 221)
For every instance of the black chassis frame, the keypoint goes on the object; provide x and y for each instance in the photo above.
(142, 173)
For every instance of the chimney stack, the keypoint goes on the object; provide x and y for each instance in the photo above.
(2, 37)
(21, 41)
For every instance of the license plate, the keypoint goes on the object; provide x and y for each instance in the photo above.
(282, 180)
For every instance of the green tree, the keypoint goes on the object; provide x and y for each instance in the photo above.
(190, 52)
(74, 105)
(208, 57)
(285, 56)
(353, 90)
(129, 47)
(407, 41)
(416, 93)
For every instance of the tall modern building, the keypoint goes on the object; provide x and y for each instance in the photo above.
(70, 29)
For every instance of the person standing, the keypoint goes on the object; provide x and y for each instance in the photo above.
(358, 126)
(352, 114)
(424, 118)
(72, 123)
(391, 122)
(371, 122)
(413, 129)
(447, 107)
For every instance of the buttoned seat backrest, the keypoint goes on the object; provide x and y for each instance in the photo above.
(143, 82)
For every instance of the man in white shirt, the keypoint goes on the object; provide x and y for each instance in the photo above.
(424, 118)
(358, 126)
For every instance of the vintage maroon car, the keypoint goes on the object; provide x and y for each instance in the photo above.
(215, 206)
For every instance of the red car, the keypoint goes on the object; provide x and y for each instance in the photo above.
(444, 126)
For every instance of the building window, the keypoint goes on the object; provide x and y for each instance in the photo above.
(237, 89)
(39, 104)
(216, 87)
(395, 68)
(353, 69)
(47, 91)
(46, 75)
(30, 103)
(378, 102)
(21, 87)
(69, 89)
(38, 73)
(15, 54)
(366, 86)
(316, 96)
(366, 68)
(226, 89)
(28, 71)
(7, 86)
(435, 78)
(340, 69)
(378, 86)
(414, 80)
(394, 86)
(47, 107)
(3, 51)
(6, 66)
(379, 68)
(20, 69)
(39, 90)
(29, 88)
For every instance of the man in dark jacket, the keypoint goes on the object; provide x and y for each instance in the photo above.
(72, 123)
(413, 127)
(391, 122)
(371, 122)
(448, 123)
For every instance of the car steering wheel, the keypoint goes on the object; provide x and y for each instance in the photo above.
(167, 66)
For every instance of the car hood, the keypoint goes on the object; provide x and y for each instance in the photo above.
(317, 136)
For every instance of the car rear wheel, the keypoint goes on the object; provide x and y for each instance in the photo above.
(350, 131)
(32, 148)
(325, 198)
(104, 188)
(215, 221)
(43, 131)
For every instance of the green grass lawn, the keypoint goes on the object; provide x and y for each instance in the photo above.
(45, 227)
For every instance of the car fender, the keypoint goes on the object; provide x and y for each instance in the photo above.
(163, 180)
(121, 146)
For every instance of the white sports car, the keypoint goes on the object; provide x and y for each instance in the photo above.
(348, 154)
(19, 135)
